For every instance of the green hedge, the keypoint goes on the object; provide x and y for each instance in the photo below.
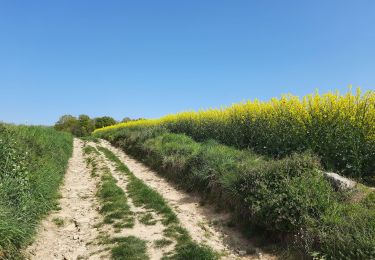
(287, 198)
(33, 161)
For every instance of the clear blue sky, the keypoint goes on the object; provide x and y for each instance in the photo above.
(149, 58)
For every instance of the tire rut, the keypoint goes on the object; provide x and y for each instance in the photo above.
(204, 223)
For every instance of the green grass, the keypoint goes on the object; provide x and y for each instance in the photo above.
(288, 199)
(88, 149)
(58, 221)
(90, 138)
(33, 161)
(163, 242)
(192, 250)
(115, 207)
(143, 195)
(129, 248)
(147, 219)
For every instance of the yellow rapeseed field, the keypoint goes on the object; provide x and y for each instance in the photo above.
(339, 128)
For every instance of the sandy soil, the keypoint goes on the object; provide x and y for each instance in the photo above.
(78, 211)
(195, 218)
(148, 233)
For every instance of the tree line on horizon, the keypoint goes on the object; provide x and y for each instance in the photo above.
(83, 125)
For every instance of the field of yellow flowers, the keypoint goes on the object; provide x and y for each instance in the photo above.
(339, 128)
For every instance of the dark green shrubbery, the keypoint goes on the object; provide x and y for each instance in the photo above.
(83, 125)
(347, 231)
(32, 165)
(288, 198)
(285, 195)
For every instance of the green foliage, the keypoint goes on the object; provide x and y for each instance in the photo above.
(143, 195)
(163, 242)
(115, 206)
(85, 126)
(32, 164)
(89, 138)
(67, 123)
(88, 149)
(285, 198)
(347, 231)
(338, 128)
(285, 195)
(82, 126)
(147, 219)
(130, 248)
(126, 119)
(193, 251)
(58, 222)
(104, 121)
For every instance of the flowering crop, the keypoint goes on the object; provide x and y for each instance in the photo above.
(339, 128)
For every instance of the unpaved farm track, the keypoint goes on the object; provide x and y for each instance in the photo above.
(73, 231)
(195, 218)
(78, 212)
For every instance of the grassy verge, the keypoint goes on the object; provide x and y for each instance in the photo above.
(131, 248)
(115, 207)
(33, 161)
(287, 199)
(143, 195)
(116, 212)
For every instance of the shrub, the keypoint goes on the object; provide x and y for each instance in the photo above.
(83, 125)
(285, 195)
(32, 164)
(347, 231)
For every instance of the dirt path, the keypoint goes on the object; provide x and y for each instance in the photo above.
(79, 230)
(203, 223)
(146, 232)
(67, 233)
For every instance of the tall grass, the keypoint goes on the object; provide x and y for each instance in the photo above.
(32, 164)
(338, 128)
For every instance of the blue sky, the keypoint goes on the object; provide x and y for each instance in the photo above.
(149, 58)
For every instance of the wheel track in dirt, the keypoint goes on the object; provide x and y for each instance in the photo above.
(195, 218)
(78, 205)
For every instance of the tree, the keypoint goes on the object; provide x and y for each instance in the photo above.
(104, 121)
(126, 119)
(82, 126)
(66, 123)
(86, 125)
